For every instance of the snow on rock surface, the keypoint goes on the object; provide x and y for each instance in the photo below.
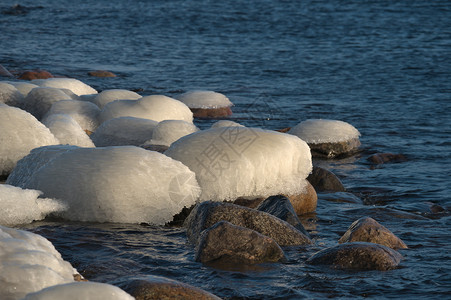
(39, 100)
(167, 132)
(23, 87)
(204, 99)
(232, 162)
(29, 263)
(117, 184)
(85, 113)
(76, 86)
(155, 107)
(123, 131)
(314, 131)
(20, 132)
(37, 158)
(23, 206)
(10, 95)
(226, 123)
(67, 130)
(80, 290)
(107, 96)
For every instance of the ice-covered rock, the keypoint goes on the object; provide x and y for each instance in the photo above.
(226, 123)
(123, 131)
(33, 161)
(85, 113)
(67, 130)
(29, 263)
(207, 104)
(232, 162)
(80, 290)
(168, 131)
(117, 184)
(204, 99)
(23, 206)
(20, 132)
(23, 87)
(327, 138)
(10, 95)
(40, 99)
(75, 85)
(155, 107)
(107, 96)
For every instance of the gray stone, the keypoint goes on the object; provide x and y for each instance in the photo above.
(206, 214)
(225, 243)
(358, 256)
(335, 149)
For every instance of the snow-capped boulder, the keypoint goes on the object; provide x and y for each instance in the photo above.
(10, 95)
(107, 96)
(67, 130)
(168, 131)
(207, 104)
(76, 86)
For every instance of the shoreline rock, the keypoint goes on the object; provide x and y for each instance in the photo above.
(225, 243)
(211, 113)
(325, 181)
(367, 229)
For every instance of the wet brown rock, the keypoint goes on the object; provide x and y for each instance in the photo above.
(369, 230)
(281, 207)
(225, 243)
(156, 288)
(324, 180)
(284, 130)
(78, 277)
(334, 150)
(35, 74)
(358, 256)
(206, 214)
(101, 73)
(4, 72)
(305, 202)
(211, 113)
(382, 158)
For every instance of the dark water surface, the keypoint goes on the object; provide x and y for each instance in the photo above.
(382, 66)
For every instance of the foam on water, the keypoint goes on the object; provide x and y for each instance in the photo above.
(155, 107)
(117, 184)
(85, 113)
(29, 263)
(107, 96)
(76, 86)
(168, 131)
(39, 100)
(204, 99)
(80, 290)
(10, 95)
(21, 206)
(226, 123)
(232, 162)
(67, 130)
(123, 131)
(20, 132)
(324, 131)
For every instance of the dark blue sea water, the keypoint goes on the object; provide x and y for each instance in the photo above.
(382, 66)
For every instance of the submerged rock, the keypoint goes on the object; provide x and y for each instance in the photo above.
(358, 256)
(281, 207)
(382, 158)
(369, 230)
(157, 287)
(225, 243)
(101, 73)
(35, 74)
(206, 214)
(323, 180)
